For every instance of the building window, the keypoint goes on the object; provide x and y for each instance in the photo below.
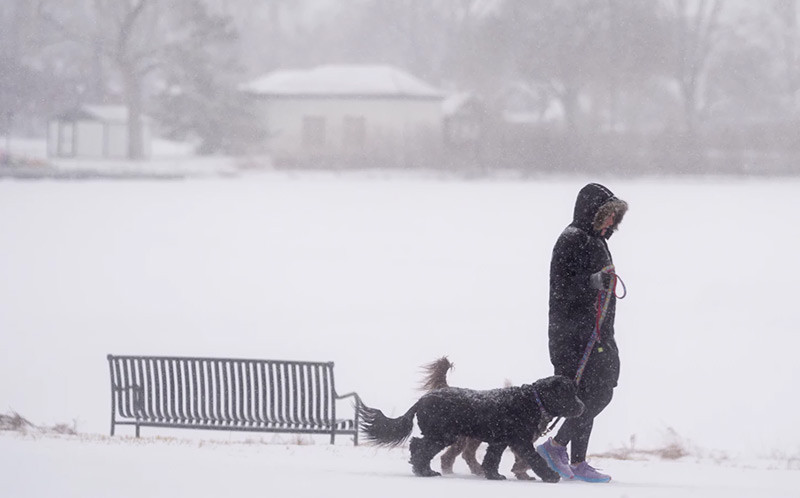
(313, 131)
(354, 132)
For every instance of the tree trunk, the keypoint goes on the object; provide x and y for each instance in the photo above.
(614, 66)
(689, 107)
(788, 10)
(133, 99)
(569, 99)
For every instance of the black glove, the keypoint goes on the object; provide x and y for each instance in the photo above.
(600, 280)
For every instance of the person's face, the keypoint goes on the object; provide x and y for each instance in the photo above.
(606, 224)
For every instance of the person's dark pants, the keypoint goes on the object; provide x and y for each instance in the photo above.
(578, 429)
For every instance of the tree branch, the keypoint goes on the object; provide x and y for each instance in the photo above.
(58, 26)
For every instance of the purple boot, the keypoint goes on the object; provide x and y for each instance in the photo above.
(556, 457)
(585, 472)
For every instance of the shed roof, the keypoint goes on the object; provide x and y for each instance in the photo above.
(343, 81)
(117, 114)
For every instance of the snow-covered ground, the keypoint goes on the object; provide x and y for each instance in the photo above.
(168, 160)
(123, 467)
(382, 274)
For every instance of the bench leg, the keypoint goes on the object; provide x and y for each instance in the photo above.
(333, 437)
(137, 430)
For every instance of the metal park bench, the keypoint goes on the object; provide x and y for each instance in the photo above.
(227, 394)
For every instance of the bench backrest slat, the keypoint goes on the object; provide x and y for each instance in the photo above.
(224, 391)
(174, 390)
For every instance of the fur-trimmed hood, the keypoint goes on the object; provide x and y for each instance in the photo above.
(594, 203)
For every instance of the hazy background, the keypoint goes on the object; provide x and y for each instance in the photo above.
(667, 102)
(637, 86)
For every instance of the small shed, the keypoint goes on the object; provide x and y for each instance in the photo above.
(94, 131)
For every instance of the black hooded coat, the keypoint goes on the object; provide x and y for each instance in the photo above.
(579, 252)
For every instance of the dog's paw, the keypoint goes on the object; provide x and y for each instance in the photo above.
(495, 476)
(425, 472)
(549, 476)
(523, 476)
(541, 469)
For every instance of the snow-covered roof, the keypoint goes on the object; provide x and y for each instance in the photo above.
(108, 113)
(343, 81)
(105, 113)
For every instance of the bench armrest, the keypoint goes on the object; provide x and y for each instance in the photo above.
(354, 395)
(348, 395)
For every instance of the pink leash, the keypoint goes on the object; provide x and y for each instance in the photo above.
(603, 300)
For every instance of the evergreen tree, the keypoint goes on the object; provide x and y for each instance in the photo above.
(200, 98)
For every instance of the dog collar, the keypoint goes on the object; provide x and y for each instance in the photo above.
(541, 405)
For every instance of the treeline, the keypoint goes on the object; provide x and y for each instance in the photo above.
(646, 86)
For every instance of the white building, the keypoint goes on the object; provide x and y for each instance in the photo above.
(347, 112)
(94, 131)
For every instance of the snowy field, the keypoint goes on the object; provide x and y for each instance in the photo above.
(168, 160)
(122, 468)
(382, 274)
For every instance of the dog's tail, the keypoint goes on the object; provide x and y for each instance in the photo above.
(381, 430)
(436, 374)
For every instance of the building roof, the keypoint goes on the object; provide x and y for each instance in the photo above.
(343, 81)
(117, 114)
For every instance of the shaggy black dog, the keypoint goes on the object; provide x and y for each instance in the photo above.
(436, 378)
(507, 417)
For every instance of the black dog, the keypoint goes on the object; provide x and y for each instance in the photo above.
(436, 378)
(507, 417)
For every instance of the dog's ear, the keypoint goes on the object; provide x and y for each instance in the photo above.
(563, 386)
(559, 396)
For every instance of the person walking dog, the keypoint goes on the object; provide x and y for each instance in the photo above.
(581, 324)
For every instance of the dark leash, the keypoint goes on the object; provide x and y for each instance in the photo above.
(603, 300)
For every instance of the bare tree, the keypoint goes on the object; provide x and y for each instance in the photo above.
(635, 42)
(788, 45)
(135, 56)
(128, 33)
(557, 44)
(696, 32)
(467, 59)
